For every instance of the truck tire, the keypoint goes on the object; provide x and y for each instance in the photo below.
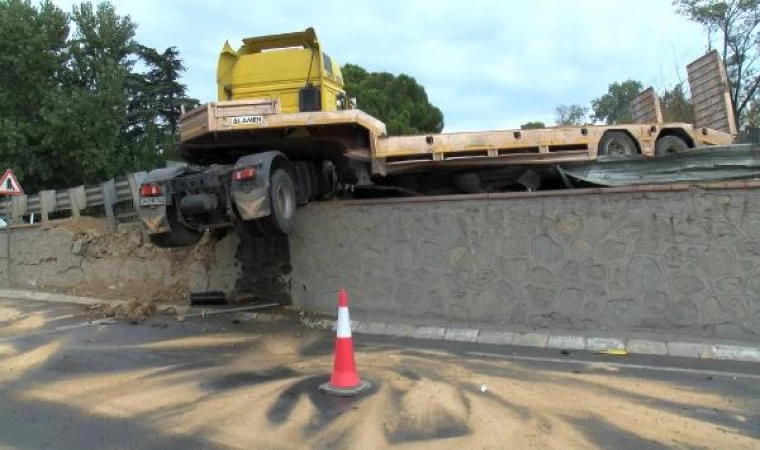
(617, 144)
(282, 205)
(668, 145)
(179, 235)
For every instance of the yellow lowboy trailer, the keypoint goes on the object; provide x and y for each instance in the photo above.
(283, 133)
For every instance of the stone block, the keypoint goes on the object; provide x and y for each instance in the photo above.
(532, 339)
(645, 347)
(686, 349)
(567, 342)
(496, 337)
(604, 344)
(435, 333)
(461, 335)
(736, 353)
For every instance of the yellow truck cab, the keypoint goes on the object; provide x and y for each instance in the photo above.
(290, 68)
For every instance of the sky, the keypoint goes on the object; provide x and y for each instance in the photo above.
(486, 64)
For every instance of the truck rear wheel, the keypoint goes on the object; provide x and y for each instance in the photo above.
(179, 235)
(617, 144)
(668, 145)
(282, 206)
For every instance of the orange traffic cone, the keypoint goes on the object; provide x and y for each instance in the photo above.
(345, 379)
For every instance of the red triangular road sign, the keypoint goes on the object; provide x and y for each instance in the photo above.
(9, 185)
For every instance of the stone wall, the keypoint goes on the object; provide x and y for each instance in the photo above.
(81, 257)
(685, 262)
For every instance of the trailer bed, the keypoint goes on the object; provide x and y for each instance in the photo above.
(254, 125)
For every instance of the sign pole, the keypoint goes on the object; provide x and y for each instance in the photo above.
(9, 186)
(8, 238)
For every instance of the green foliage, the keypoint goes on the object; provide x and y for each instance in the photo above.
(72, 108)
(89, 107)
(571, 115)
(162, 91)
(399, 101)
(613, 107)
(753, 115)
(676, 106)
(532, 125)
(733, 25)
(32, 58)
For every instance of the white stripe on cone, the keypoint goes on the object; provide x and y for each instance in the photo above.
(344, 323)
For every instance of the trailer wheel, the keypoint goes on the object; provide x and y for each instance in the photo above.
(617, 144)
(179, 235)
(282, 204)
(668, 145)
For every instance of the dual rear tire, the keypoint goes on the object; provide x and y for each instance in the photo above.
(619, 144)
(282, 206)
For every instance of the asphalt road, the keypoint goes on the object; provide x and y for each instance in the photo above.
(68, 383)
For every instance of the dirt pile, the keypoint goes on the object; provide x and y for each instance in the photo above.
(125, 265)
(428, 409)
(135, 311)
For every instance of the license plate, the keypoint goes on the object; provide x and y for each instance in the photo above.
(247, 120)
(152, 201)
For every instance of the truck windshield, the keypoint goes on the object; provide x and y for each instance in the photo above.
(327, 63)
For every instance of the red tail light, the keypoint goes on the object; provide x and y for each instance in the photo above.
(244, 174)
(150, 190)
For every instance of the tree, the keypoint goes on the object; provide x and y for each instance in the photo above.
(399, 101)
(167, 93)
(32, 61)
(676, 106)
(752, 115)
(735, 24)
(532, 125)
(614, 106)
(156, 99)
(86, 113)
(72, 108)
(570, 115)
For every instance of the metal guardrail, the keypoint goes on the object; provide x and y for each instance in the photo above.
(77, 200)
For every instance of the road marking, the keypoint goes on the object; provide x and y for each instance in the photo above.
(58, 329)
(602, 365)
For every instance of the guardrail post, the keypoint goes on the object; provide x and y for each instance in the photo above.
(16, 207)
(47, 204)
(135, 180)
(78, 200)
(109, 198)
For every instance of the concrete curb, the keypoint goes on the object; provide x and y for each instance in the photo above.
(559, 341)
(22, 294)
(39, 296)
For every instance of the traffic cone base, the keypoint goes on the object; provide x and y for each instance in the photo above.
(345, 392)
(345, 379)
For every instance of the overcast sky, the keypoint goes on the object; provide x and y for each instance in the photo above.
(486, 64)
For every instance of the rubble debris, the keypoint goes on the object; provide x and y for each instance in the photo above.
(227, 311)
(702, 165)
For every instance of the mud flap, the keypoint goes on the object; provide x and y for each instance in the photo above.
(154, 220)
(253, 204)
